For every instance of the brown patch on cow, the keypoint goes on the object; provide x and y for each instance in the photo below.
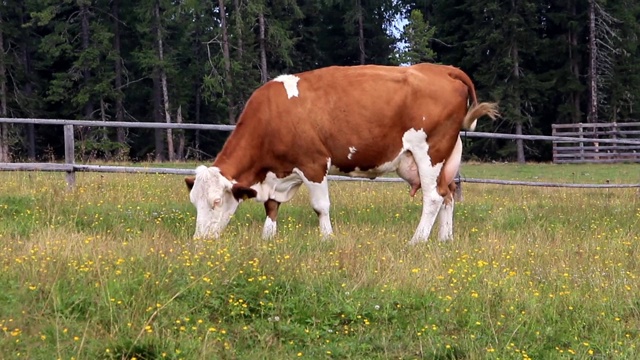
(242, 193)
(190, 180)
(366, 107)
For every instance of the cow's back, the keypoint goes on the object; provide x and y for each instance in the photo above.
(356, 116)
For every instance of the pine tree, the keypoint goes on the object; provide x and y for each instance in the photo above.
(618, 67)
(416, 40)
(4, 128)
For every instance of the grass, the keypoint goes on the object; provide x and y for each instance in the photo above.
(573, 173)
(109, 271)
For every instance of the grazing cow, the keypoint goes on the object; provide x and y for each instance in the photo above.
(357, 121)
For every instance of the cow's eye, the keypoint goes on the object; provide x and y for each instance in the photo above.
(216, 202)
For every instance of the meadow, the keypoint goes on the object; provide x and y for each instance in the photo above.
(110, 271)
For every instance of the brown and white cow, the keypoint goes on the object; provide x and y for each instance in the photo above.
(357, 121)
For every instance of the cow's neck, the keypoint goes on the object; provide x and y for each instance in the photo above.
(238, 160)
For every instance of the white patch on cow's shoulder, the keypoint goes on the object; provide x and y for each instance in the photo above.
(290, 83)
(352, 150)
(278, 189)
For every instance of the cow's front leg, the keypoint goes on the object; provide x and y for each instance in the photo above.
(271, 208)
(319, 196)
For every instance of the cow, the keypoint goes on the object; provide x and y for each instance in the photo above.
(361, 121)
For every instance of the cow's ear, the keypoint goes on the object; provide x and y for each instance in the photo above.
(190, 180)
(242, 193)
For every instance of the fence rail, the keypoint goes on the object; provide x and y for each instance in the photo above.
(121, 124)
(221, 127)
(70, 167)
(174, 171)
(592, 143)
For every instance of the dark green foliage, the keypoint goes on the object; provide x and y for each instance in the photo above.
(551, 41)
(531, 56)
(417, 36)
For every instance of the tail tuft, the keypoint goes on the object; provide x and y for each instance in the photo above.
(478, 110)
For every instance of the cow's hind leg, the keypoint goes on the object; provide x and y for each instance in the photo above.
(445, 216)
(416, 142)
(270, 229)
(447, 188)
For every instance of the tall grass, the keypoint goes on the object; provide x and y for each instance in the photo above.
(109, 271)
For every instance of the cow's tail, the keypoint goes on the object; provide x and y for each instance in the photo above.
(475, 110)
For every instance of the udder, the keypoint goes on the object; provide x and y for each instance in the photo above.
(408, 170)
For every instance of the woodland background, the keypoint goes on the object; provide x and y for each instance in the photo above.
(198, 61)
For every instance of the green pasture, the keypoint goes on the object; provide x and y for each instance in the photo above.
(109, 271)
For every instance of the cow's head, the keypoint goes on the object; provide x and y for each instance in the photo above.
(215, 198)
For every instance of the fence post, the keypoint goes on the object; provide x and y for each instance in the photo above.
(581, 130)
(554, 143)
(69, 155)
(614, 135)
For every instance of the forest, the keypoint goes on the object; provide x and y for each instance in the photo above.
(197, 61)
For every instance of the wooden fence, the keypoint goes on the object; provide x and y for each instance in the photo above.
(589, 146)
(70, 166)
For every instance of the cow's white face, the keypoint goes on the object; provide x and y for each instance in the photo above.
(211, 194)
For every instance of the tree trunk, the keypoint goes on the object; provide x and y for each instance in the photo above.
(4, 127)
(517, 104)
(574, 64)
(29, 129)
(120, 132)
(167, 115)
(180, 153)
(520, 144)
(238, 24)
(163, 80)
(592, 112)
(360, 31)
(108, 155)
(227, 59)
(197, 119)
(197, 85)
(264, 73)
(157, 116)
(86, 71)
